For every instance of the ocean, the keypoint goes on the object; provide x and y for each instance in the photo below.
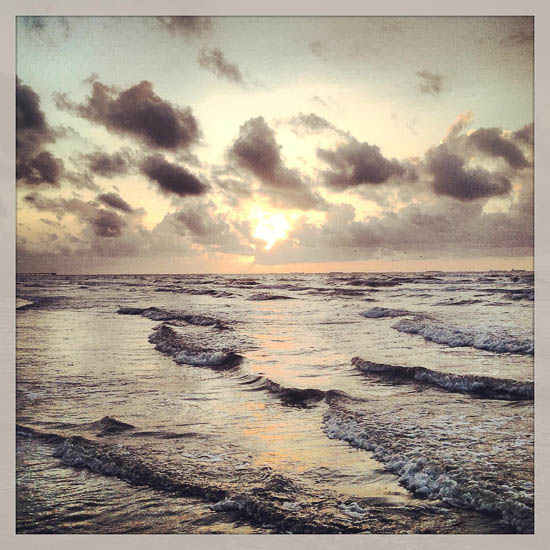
(280, 403)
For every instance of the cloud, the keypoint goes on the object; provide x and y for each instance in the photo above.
(81, 180)
(431, 83)
(491, 142)
(214, 61)
(257, 151)
(355, 163)
(187, 25)
(43, 168)
(106, 165)
(312, 124)
(230, 185)
(205, 227)
(104, 223)
(171, 177)
(46, 28)
(433, 228)
(107, 224)
(137, 112)
(452, 178)
(463, 120)
(525, 134)
(114, 201)
(34, 166)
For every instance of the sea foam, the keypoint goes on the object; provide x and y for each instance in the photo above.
(455, 337)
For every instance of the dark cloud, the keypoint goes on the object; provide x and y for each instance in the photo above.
(431, 83)
(106, 165)
(43, 168)
(114, 201)
(138, 112)
(432, 229)
(171, 177)
(187, 25)
(107, 224)
(44, 204)
(204, 226)
(104, 223)
(34, 165)
(355, 163)
(453, 179)
(525, 134)
(214, 61)
(81, 180)
(257, 151)
(491, 142)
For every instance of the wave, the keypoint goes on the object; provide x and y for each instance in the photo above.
(42, 302)
(290, 396)
(157, 314)
(512, 293)
(483, 386)
(430, 474)
(196, 291)
(258, 495)
(378, 312)
(454, 337)
(346, 292)
(168, 341)
(374, 283)
(520, 294)
(263, 296)
(108, 426)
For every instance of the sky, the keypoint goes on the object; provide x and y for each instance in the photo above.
(274, 144)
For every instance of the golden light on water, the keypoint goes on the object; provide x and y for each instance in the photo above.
(271, 228)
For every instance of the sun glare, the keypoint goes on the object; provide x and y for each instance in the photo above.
(272, 228)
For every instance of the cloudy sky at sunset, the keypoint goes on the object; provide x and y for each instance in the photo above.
(267, 144)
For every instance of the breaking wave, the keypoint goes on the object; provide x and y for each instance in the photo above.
(483, 386)
(157, 314)
(423, 471)
(168, 341)
(454, 337)
(259, 495)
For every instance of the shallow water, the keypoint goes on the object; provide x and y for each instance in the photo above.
(209, 377)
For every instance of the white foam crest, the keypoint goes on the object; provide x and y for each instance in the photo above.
(227, 505)
(486, 386)
(353, 510)
(427, 481)
(454, 337)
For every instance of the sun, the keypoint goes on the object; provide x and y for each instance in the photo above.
(272, 228)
